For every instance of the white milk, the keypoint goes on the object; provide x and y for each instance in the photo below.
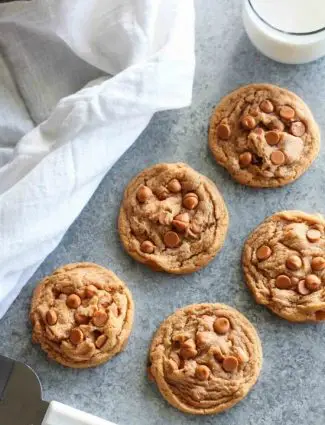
(294, 16)
(288, 31)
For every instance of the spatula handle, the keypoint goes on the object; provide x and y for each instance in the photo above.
(60, 414)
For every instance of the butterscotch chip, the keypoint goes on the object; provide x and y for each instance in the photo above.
(221, 325)
(190, 201)
(174, 186)
(203, 340)
(287, 113)
(266, 106)
(216, 352)
(76, 336)
(73, 301)
(313, 282)
(100, 341)
(263, 252)
(143, 194)
(188, 353)
(171, 239)
(147, 247)
(81, 319)
(289, 282)
(272, 137)
(190, 195)
(81, 292)
(100, 318)
(294, 262)
(313, 235)
(209, 378)
(248, 122)
(278, 157)
(181, 222)
(224, 131)
(51, 317)
(192, 222)
(320, 315)
(230, 363)
(90, 291)
(245, 159)
(318, 263)
(298, 128)
(302, 288)
(261, 117)
(79, 336)
(202, 372)
(283, 282)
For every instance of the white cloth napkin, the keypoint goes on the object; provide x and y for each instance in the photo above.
(56, 146)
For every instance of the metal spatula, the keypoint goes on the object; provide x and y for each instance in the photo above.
(21, 400)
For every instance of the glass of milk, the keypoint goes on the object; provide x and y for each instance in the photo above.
(288, 31)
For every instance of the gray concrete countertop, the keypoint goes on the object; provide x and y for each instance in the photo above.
(291, 388)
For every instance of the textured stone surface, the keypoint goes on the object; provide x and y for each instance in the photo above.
(291, 387)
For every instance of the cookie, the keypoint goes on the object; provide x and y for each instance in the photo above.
(265, 136)
(284, 265)
(172, 219)
(82, 315)
(205, 358)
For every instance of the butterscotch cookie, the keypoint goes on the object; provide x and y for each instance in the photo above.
(284, 265)
(172, 218)
(82, 315)
(265, 136)
(205, 358)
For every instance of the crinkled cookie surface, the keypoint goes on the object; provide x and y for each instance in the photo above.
(205, 358)
(264, 135)
(172, 218)
(82, 315)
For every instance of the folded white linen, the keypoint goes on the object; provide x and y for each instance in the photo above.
(57, 143)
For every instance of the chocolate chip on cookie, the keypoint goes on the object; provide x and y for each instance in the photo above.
(205, 358)
(265, 136)
(81, 330)
(179, 232)
(289, 279)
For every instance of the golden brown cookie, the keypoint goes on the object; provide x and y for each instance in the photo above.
(82, 315)
(264, 135)
(284, 265)
(172, 218)
(205, 358)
